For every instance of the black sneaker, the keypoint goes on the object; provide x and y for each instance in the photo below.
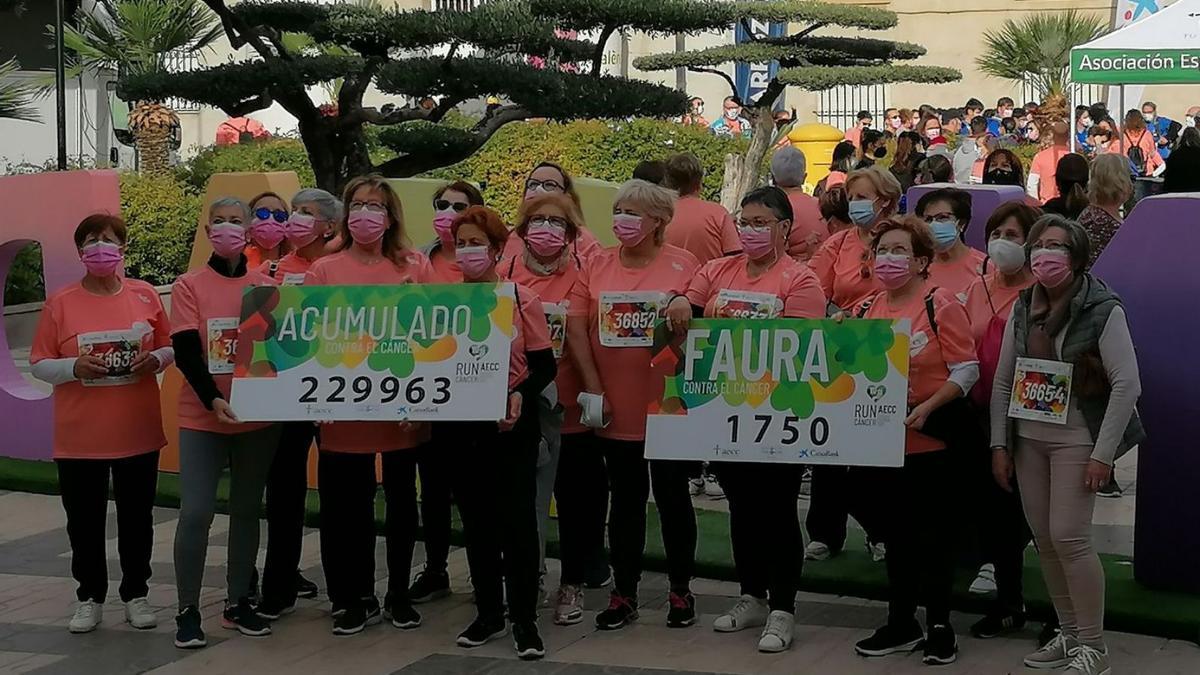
(891, 640)
(271, 610)
(1109, 489)
(998, 623)
(242, 618)
(354, 619)
(482, 631)
(600, 577)
(941, 646)
(188, 634)
(682, 612)
(402, 615)
(527, 642)
(429, 586)
(305, 588)
(621, 612)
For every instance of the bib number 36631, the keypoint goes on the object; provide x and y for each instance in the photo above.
(222, 344)
(117, 349)
(1041, 391)
(628, 319)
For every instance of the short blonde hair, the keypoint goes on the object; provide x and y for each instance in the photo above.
(883, 181)
(655, 201)
(1110, 181)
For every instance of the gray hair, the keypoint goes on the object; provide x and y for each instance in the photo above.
(1078, 244)
(789, 167)
(232, 202)
(328, 206)
(655, 201)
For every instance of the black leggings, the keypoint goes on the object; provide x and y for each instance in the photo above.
(1002, 532)
(579, 488)
(833, 499)
(764, 529)
(287, 490)
(434, 465)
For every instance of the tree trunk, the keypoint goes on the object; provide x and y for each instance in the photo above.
(760, 143)
(730, 181)
(335, 156)
(153, 149)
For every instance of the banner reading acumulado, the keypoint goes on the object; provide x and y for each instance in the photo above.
(781, 390)
(420, 352)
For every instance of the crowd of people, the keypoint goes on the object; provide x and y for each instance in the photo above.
(575, 426)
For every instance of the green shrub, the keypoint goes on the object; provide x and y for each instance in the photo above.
(162, 214)
(25, 282)
(276, 154)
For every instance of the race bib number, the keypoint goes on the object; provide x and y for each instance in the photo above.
(628, 319)
(222, 344)
(746, 305)
(556, 318)
(117, 349)
(1041, 391)
(293, 279)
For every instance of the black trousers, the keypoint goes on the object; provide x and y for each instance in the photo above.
(1002, 533)
(287, 490)
(348, 487)
(434, 466)
(578, 488)
(497, 499)
(84, 487)
(764, 528)
(918, 507)
(833, 499)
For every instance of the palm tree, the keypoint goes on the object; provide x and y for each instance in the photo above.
(134, 37)
(15, 95)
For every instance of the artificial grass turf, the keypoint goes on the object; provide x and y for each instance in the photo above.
(1130, 607)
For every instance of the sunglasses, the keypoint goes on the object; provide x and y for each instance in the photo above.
(263, 213)
(443, 204)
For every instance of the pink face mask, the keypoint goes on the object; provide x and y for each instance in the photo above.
(267, 234)
(757, 242)
(892, 270)
(366, 226)
(442, 220)
(474, 261)
(301, 229)
(545, 240)
(1051, 267)
(629, 229)
(228, 239)
(101, 258)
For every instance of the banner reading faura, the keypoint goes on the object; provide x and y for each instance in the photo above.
(808, 391)
(420, 352)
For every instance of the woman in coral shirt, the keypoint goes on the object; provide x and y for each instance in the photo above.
(615, 305)
(764, 524)
(101, 342)
(548, 177)
(842, 263)
(268, 229)
(374, 250)
(206, 309)
(955, 265)
(918, 526)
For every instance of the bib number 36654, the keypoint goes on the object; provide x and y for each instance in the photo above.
(1041, 391)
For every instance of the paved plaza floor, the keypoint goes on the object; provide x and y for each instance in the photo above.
(37, 593)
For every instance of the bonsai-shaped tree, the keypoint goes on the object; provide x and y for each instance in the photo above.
(807, 60)
(360, 45)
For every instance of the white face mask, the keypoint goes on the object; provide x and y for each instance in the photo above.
(733, 113)
(1190, 122)
(1009, 256)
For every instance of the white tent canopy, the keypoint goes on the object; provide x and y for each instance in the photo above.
(1163, 48)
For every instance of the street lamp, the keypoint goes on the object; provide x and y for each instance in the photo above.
(60, 84)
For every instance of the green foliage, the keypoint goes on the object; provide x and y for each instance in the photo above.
(808, 11)
(162, 215)
(659, 17)
(276, 154)
(16, 96)
(1037, 48)
(822, 52)
(426, 137)
(604, 150)
(819, 78)
(25, 282)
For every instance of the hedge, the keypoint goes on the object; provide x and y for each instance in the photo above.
(161, 214)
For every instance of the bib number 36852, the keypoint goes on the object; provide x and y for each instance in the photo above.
(628, 319)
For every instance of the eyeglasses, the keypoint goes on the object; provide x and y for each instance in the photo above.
(370, 206)
(544, 185)
(443, 204)
(756, 224)
(263, 213)
(548, 221)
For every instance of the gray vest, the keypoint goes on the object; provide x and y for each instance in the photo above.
(1090, 309)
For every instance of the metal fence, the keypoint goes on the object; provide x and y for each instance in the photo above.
(840, 106)
(1077, 94)
(456, 5)
(180, 61)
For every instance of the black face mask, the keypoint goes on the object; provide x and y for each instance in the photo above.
(999, 177)
(880, 153)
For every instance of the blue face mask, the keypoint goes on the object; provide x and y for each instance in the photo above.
(862, 212)
(945, 233)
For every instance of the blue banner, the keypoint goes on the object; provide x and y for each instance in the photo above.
(752, 78)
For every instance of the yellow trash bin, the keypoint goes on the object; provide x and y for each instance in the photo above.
(817, 142)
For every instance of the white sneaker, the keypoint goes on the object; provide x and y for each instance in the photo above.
(712, 488)
(985, 583)
(878, 551)
(695, 486)
(749, 612)
(139, 615)
(1089, 661)
(777, 636)
(817, 550)
(87, 617)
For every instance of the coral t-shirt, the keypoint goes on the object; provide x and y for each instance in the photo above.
(704, 229)
(625, 370)
(343, 269)
(531, 333)
(117, 416)
(205, 301)
(957, 275)
(445, 269)
(289, 271)
(1045, 167)
(1002, 298)
(843, 265)
(554, 290)
(929, 353)
(809, 230)
(724, 288)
